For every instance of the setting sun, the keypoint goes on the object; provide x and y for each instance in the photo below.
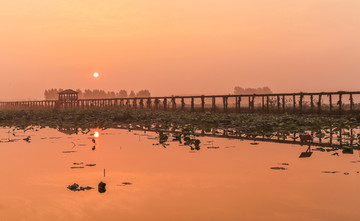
(96, 75)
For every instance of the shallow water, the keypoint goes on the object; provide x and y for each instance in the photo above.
(233, 182)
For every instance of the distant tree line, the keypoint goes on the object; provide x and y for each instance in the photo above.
(52, 94)
(260, 90)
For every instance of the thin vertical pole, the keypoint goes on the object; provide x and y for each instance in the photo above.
(283, 103)
(202, 103)
(213, 103)
(192, 104)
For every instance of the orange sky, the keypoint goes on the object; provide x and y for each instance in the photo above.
(178, 46)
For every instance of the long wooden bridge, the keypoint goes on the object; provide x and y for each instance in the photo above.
(319, 102)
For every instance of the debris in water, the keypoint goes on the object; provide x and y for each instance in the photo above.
(27, 139)
(75, 187)
(348, 151)
(346, 173)
(335, 154)
(69, 151)
(78, 163)
(213, 147)
(330, 171)
(285, 164)
(319, 149)
(76, 167)
(278, 168)
(90, 165)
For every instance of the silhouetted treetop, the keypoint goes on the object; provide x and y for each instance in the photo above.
(52, 94)
(260, 90)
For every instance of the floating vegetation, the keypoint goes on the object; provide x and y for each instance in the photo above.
(78, 163)
(319, 149)
(75, 187)
(69, 151)
(213, 147)
(184, 126)
(90, 165)
(329, 171)
(76, 167)
(278, 168)
(27, 139)
(126, 183)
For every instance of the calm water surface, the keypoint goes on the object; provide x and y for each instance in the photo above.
(233, 182)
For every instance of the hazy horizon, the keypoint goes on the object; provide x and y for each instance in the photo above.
(178, 47)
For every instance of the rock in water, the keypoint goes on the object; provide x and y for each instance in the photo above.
(102, 187)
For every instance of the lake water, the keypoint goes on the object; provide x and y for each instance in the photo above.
(233, 182)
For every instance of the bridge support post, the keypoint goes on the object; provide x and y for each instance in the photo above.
(225, 101)
(213, 106)
(148, 103)
(278, 102)
(239, 104)
(340, 102)
(165, 103)
(301, 102)
(192, 104)
(141, 103)
(157, 102)
(294, 102)
(202, 103)
(173, 101)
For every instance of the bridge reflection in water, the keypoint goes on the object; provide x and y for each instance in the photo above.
(331, 143)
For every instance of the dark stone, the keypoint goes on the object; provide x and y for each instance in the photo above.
(102, 187)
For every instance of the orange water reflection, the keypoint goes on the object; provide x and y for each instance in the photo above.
(233, 182)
